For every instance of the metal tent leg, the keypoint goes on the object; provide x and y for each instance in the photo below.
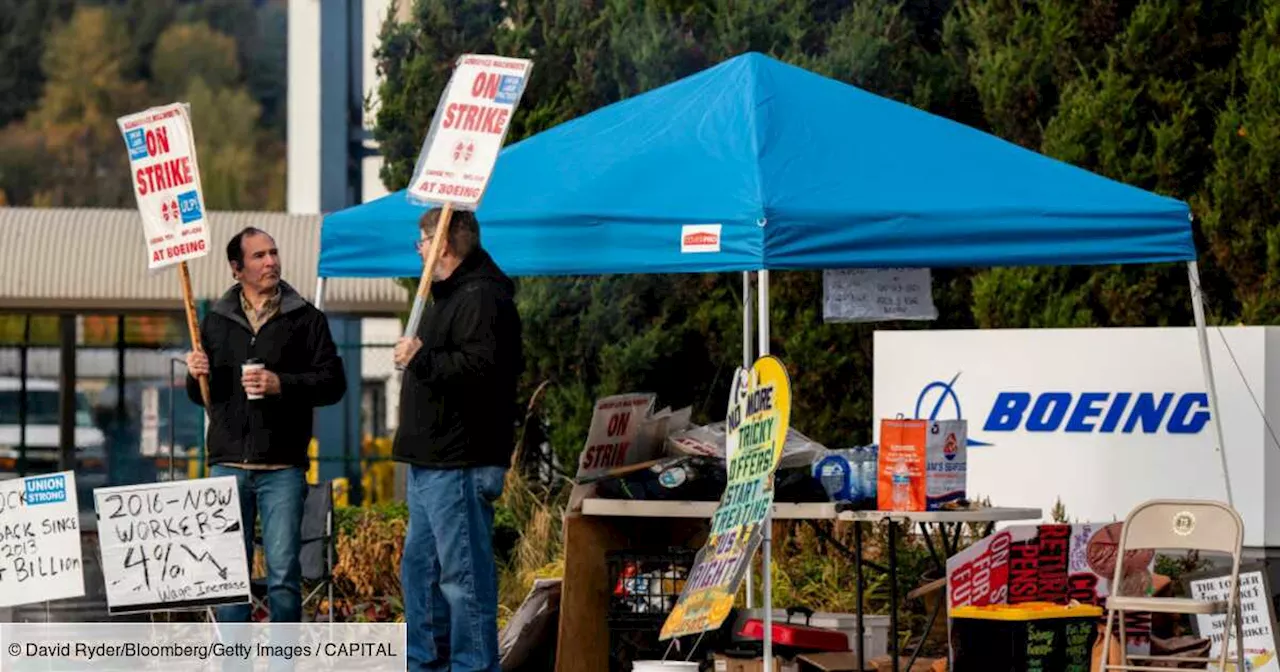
(1197, 305)
(762, 321)
(747, 357)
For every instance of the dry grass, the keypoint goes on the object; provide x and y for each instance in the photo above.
(539, 552)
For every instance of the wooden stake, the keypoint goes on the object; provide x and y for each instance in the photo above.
(193, 325)
(424, 284)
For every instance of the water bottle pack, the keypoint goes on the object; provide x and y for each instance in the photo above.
(848, 475)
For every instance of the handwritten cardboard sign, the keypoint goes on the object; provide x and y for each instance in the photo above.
(170, 546)
(39, 539)
(1255, 605)
(757, 420)
(877, 295)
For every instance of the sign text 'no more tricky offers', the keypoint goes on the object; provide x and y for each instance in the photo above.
(756, 424)
(175, 545)
(166, 181)
(468, 129)
(39, 539)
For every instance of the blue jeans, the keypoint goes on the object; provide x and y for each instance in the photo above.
(448, 573)
(277, 494)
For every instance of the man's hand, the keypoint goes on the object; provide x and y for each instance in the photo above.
(260, 381)
(406, 348)
(198, 364)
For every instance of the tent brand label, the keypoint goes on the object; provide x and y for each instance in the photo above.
(696, 238)
(1100, 412)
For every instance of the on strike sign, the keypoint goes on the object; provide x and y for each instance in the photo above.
(467, 132)
(166, 180)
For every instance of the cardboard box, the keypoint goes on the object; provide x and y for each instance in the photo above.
(727, 664)
(885, 664)
(922, 464)
(843, 661)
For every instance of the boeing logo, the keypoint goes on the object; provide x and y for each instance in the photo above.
(1078, 413)
(946, 392)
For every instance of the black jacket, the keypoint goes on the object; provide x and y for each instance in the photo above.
(297, 346)
(458, 396)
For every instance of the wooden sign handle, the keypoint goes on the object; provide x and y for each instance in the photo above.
(193, 326)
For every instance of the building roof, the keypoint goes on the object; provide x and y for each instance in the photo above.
(95, 260)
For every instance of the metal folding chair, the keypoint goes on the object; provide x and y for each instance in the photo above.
(1183, 525)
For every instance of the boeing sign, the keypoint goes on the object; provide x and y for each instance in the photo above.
(1102, 412)
(1097, 420)
(1084, 412)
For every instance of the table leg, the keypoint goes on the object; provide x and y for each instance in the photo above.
(893, 593)
(933, 618)
(857, 592)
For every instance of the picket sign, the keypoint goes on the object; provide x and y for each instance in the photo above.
(166, 183)
(757, 421)
(461, 149)
(172, 545)
(40, 556)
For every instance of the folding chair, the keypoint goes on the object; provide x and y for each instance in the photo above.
(1178, 525)
(318, 551)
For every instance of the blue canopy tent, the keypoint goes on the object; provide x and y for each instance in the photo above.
(801, 172)
(779, 168)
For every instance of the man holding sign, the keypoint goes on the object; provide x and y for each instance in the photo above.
(271, 361)
(462, 361)
(457, 418)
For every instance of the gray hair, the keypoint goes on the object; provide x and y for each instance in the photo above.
(464, 230)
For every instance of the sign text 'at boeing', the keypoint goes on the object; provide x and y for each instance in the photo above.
(1102, 412)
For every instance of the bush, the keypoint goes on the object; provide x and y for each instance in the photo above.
(367, 576)
(371, 542)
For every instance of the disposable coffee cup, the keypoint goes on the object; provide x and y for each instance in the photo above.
(252, 365)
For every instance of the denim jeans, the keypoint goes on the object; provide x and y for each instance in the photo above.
(448, 573)
(277, 494)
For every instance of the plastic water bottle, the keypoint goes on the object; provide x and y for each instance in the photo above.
(869, 476)
(901, 487)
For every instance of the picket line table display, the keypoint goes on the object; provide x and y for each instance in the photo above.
(610, 524)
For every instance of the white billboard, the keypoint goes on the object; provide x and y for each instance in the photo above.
(1103, 418)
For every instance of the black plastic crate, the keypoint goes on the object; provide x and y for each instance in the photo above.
(645, 585)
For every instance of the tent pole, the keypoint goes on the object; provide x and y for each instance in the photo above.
(746, 364)
(1197, 305)
(762, 321)
(319, 302)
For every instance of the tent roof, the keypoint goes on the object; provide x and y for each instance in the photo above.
(800, 172)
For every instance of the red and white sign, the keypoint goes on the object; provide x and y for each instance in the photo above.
(166, 181)
(1055, 563)
(615, 424)
(467, 132)
(700, 238)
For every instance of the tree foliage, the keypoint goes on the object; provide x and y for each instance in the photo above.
(98, 61)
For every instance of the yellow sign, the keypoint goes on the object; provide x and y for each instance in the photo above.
(755, 428)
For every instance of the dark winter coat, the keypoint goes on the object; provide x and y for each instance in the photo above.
(297, 346)
(458, 395)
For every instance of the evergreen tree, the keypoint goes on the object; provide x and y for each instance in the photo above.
(24, 26)
(1238, 208)
(415, 59)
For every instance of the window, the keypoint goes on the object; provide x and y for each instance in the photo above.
(42, 408)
